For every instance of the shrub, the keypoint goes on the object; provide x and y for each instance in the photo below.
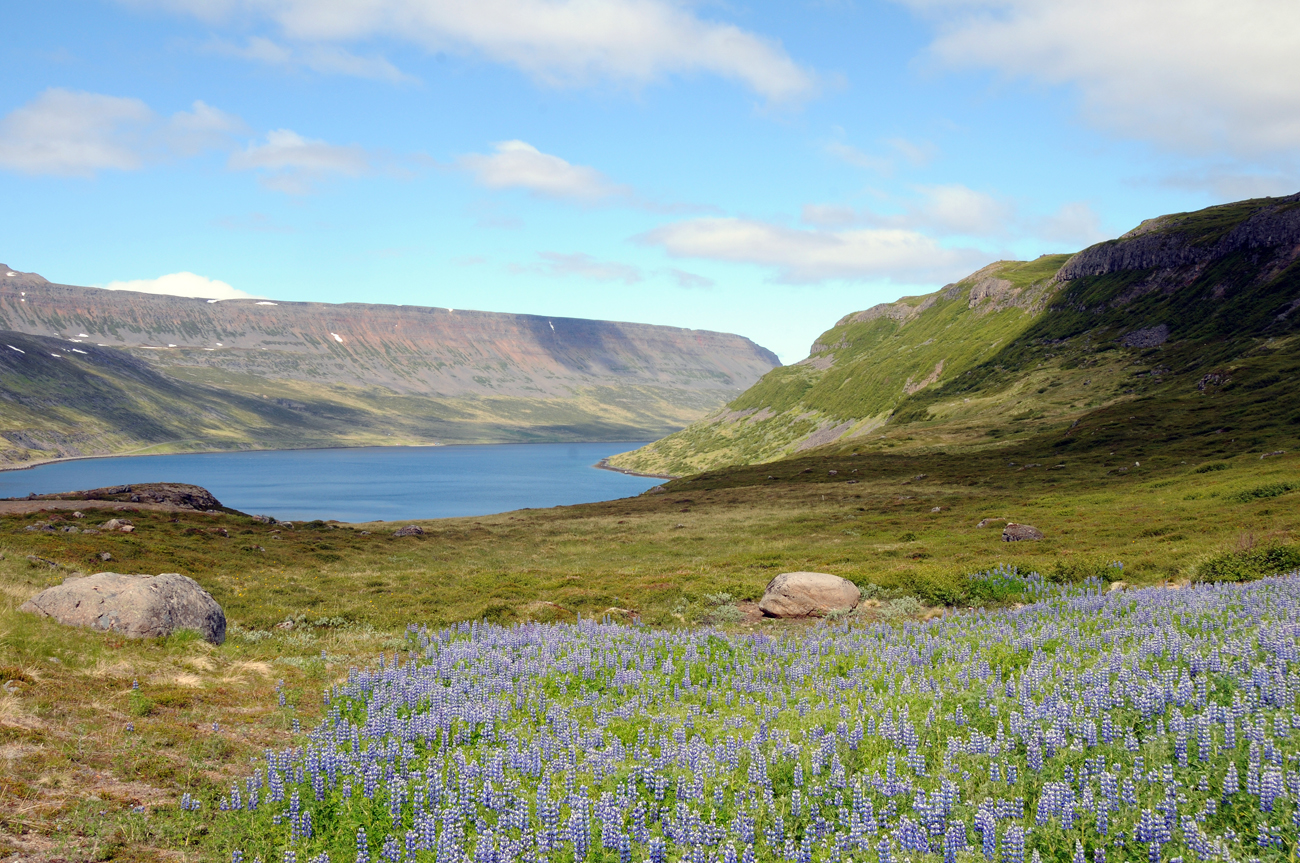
(1249, 564)
(1212, 466)
(1263, 492)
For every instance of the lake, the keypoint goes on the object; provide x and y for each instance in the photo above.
(363, 484)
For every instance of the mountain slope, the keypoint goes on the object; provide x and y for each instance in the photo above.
(1187, 305)
(346, 374)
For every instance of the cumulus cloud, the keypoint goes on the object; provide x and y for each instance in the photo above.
(519, 165)
(184, 284)
(1191, 75)
(955, 210)
(288, 162)
(77, 134)
(558, 42)
(322, 59)
(803, 256)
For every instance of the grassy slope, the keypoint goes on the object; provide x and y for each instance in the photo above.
(1044, 366)
(663, 556)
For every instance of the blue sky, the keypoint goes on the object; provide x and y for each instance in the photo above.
(753, 167)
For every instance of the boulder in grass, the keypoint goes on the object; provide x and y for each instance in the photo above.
(137, 606)
(1020, 532)
(409, 530)
(808, 594)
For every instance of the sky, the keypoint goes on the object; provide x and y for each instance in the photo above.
(762, 168)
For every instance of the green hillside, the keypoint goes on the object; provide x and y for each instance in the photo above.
(1198, 310)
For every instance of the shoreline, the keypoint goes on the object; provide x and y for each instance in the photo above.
(604, 464)
(140, 453)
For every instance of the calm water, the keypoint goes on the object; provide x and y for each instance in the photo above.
(368, 484)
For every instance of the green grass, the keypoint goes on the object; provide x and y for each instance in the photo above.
(700, 550)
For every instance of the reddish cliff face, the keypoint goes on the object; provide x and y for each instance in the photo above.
(407, 349)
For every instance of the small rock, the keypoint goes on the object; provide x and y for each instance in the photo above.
(52, 564)
(287, 525)
(364, 533)
(90, 531)
(808, 594)
(985, 522)
(1020, 532)
(78, 515)
(116, 524)
(263, 519)
(71, 529)
(1117, 586)
(936, 509)
(832, 472)
(127, 528)
(678, 526)
(287, 624)
(409, 530)
(105, 556)
(138, 606)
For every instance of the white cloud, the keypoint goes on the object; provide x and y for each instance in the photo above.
(519, 165)
(76, 134)
(1076, 225)
(579, 264)
(291, 163)
(859, 159)
(558, 42)
(958, 209)
(816, 255)
(1191, 75)
(689, 280)
(322, 59)
(183, 284)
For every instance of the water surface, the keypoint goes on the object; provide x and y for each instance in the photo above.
(363, 484)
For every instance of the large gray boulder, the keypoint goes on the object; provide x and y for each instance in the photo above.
(1021, 533)
(138, 606)
(808, 594)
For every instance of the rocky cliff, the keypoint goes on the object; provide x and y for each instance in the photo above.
(365, 373)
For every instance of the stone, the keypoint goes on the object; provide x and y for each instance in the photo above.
(1117, 586)
(808, 594)
(985, 522)
(118, 524)
(105, 556)
(1020, 532)
(137, 606)
(409, 530)
(936, 509)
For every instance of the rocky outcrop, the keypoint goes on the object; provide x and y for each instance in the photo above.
(808, 594)
(1161, 244)
(137, 606)
(174, 493)
(409, 530)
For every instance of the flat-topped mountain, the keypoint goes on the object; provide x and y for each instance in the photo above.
(1197, 311)
(352, 373)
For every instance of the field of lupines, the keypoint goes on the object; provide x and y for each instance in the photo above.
(1084, 726)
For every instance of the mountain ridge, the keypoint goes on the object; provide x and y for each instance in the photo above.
(351, 374)
(999, 351)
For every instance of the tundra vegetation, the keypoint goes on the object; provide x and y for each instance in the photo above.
(594, 683)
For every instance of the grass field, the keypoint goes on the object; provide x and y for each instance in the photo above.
(308, 602)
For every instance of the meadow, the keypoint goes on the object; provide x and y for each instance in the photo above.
(95, 767)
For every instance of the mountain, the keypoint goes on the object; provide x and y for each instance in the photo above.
(1197, 313)
(90, 371)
